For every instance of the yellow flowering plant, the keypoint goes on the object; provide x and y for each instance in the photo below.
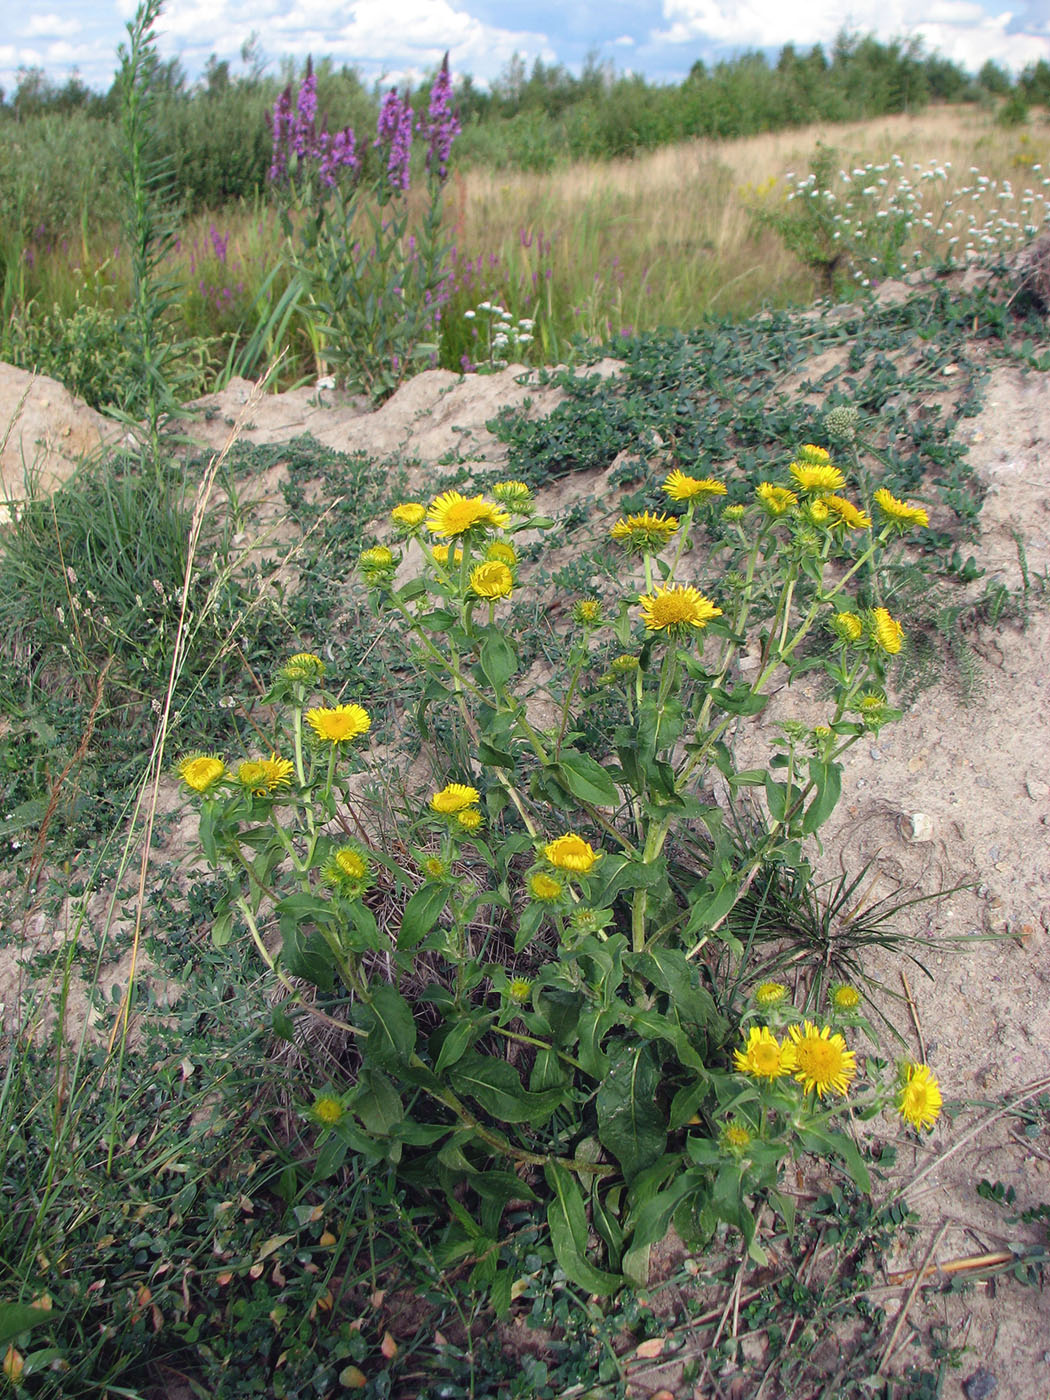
(568, 1041)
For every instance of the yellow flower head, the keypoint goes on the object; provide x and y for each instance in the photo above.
(379, 557)
(644, 533)
(409, 515)
(768, 994)
(573, 853)
(470, 819)
(677, 608)
(900, 513)
(871, 702)
(812, 455)
(347, 870)
(815, 478)
(848, 626)
(518, 989)
(734, 513)
(775, 499)
(817, 512)
(587, 611)
(502, 552)
(200, 771)
(491, 580)
(453, 798)
(262, 776)
(327, 1111)
(846, 513)
(689, 488)
(515, 495)
(886, 631)
(734, 1138)
(544, 887)
(441, 553)
(453, 514)
(434, 868)
(763, 1056)
(303, 666)
(624, 665)
(843, 997)
(822, 1061)
(919, 1097)
(339, 724)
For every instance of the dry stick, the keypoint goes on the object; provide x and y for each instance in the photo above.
(914, 1015)
(155, 766)
(895, 1334)
(970, 1264)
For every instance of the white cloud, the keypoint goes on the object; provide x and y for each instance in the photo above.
(624, 41)
(960, 29)
(46, 26)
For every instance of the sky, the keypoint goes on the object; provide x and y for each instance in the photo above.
(401, 40)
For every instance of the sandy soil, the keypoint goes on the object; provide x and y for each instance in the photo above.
(954, 793)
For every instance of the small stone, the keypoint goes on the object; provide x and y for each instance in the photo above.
(1036, 789)
(917, 827)
(980, 1385)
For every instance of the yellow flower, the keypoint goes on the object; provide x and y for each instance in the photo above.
(871, 702)
(347, 870)
(409, 515)
(303, 666)
(886, 631)
(514, 494)
(843, 997)
(200, 771)
(571, 852)
(435, 868)
(734, 1137)
(812, 455)
(818, 478)
(440, 553)
(776, 499)
(544, 887)
(587, 611)
(817, 511)
(646, 532)
(503, 552)
(327, 1111)
(453, 514)
(453, 798)
(769, 994)
(734, 513)
(264, 775)
(378, 557)
(339, 724)
(469, 819)
(679, 606)
(763, 1056)
(901, 513)
(848, 626)
(919, 1098)
(491, 580)
(847, 513)
(822, 1061)
(687, 488)
(624, 665)
(518, 989)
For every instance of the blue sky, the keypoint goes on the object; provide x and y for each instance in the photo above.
(400, 40)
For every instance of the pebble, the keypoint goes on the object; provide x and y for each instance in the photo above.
(1036, 789)
(980, 1385)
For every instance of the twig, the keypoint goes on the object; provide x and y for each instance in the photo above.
(903, 1317)
(954, 1266)
(914, 1015)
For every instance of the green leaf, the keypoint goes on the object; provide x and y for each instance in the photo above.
(307, 957)
(630, 1123)
(391, 1028)
(456, 1044)
(499, 660)
(222, 929)
(813, 1137)
(495, 1085)
(586, 779)
(561, 1009)
(568, 1226)
(741, 700)
(827, 778)
(421, 914)
(16, 1318)
(776, 798)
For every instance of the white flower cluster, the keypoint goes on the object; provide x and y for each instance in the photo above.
(889, 222)
(502, 333)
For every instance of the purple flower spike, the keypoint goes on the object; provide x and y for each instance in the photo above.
(394, 130)
(441, 126)
(304, 136)
(281, 126)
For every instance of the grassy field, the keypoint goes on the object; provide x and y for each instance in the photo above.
(594, 250)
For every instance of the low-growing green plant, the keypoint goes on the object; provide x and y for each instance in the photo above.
(520, 973)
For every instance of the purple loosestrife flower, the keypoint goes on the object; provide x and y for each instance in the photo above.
(281, 126)
(304, 135)
(441, 126)
(394, 129)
